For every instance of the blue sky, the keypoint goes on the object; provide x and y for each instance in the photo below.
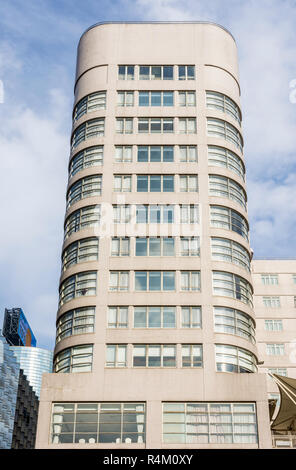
(38, 40)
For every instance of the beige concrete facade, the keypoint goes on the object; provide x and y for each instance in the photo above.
(212, 52)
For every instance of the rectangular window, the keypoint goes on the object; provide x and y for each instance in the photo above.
(155, 214)
(126, 72)
(122, 183)
(89, 423)
(123, 153)
(155, 125)
(188, 153)
(154, 280)
(187, 98)
(124, 125)
(120, 246)
(190, 281)
(155, 183)
(188, 214)
(116, 355)
(156, 98)
(156, 72)
(209, 423)
(121, 213)
(154, 355)
(186, 72)
(187, 125)
(154, 153)
(117, 317)
(273, 325)
(275, 349)
(119, 281)
(271, 302)
(190, 317)
(154, 317)
(269, 279)
(190, 246)
(191, 355)
(125, 98)
(155, 246)
(188, 183)
(279, 371)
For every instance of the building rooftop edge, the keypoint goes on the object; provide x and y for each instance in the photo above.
(101, 23)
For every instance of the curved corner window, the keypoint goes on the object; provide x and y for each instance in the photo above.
(230, 285)
(76, 359)
(81, 284)
(229, 219)
(82, 218)
(234, 322)
(224, 130)
(92, 156)
(88, 130)
(234, 359)
(90, 103)
(223, 103)
(226, 187)
(81, 251)
(85, 187)
(231, 252)
(220, 156)
(76, 322)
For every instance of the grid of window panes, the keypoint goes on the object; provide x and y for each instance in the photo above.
(116, 355)
(81, 251)
(229, 219)
(76, 359)
(269, 279)
(155, 317)
(226, 187)
(154, 214)
(122, 183)
(190, 317)
(275, 349)
(189, 213)
(231, 285)
(188, 153)
(222, 129)
(271, 302)
(156, 72)
(230, 251)
(234, 322)
(126, 72)
(125, 98)
(123, 153)
(209, 423)
(192, 355)
(273, 325)
(90, 103)
(188, 183)
(154, 280)
(187, 125)
(76, 322)
(119, 281)
(190, 281)
(155, 183)
(187, 98)
(86, 217)
(155, 246)
(120, 246)
(222, 102)
(121, 213)
(189, 246)
(234, 359)
(124, 125)
(278, 370)
(86, 187)
(81, 284)
(220, 156)
(92, 156)
(117, 317)
(154, 355)
(155, 153)
(156, 125)
(186, 72)
(156, 98)
(88, 130)
(89, 423)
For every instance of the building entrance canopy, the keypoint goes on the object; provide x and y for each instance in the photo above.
(286, 417)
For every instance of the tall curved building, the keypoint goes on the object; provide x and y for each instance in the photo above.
(155, 342)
